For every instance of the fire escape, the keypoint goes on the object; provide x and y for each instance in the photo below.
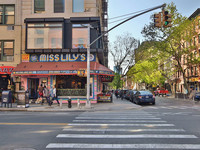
(105, 29)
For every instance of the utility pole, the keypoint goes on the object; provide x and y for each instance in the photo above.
(88, 104)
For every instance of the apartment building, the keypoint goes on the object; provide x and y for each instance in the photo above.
(10, 40)
(192, 71)
(54, 38)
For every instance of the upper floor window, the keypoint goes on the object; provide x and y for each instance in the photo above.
(6, 50)
(44, 36)
(39, 6)
(78, 5)
(199, 38)
(79, 36)
(7, 14)
(59, 6)
(199, 23)
(194, 41)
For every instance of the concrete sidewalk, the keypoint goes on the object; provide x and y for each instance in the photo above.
(117, 104)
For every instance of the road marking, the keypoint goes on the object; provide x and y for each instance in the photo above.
(125, 136)
(127, 121)
(112, 118)
(129, 146)
(43, 124)
(147, 125)
(124, 130)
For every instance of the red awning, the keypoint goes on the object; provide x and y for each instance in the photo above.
(6, 69)
(56, 68)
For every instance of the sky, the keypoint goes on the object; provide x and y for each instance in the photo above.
(135, 26)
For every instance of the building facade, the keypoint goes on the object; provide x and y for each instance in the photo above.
(10, 40)
(192, 71)
(54, 37)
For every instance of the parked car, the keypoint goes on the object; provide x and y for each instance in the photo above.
(161, 92)
(132, 95)
(144, 97)
(197, 96)
(123, 93)
(127, 95)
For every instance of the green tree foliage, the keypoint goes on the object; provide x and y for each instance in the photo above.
(116, 83)
(173, 44)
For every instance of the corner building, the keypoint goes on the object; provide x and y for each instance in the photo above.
(55, 34)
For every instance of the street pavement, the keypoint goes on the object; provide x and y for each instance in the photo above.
(117, 104)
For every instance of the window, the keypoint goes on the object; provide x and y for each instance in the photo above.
(79, 36)
(44, 36)
(78, 5)
(194, 41)
(7, 14)
(191, 71)
(199, 38)
(6, 50)
(199, 23)
(59, 6)
(39, 6)
(195, 70)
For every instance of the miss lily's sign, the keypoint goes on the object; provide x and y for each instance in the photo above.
(57, 57)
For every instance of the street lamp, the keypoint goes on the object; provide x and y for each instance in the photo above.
(88, 104)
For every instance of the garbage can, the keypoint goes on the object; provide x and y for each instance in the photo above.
(6, 98)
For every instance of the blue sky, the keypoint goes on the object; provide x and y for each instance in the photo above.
(134, 26)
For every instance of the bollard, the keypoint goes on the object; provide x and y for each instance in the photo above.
(69, 103)
(78, 104)
(61, 103)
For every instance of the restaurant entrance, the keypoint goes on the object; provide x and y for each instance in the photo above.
(33, 84)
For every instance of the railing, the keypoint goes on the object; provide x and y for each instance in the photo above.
(71, 92)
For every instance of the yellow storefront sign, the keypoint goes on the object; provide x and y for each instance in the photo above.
(25, 57)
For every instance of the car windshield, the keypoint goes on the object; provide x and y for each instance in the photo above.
(145, 92)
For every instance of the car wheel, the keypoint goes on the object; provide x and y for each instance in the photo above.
(153, 103)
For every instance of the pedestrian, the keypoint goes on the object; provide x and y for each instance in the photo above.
(41, 91)
(45, 94)
(54, 95)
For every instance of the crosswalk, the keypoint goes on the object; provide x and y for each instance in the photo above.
(174, 107)
(123, 130)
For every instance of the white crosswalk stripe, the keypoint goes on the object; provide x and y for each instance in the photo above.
(126, 146)
(124, 136)
(122, 130)
(121, 126)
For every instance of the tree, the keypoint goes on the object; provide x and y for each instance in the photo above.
(174, 43)
(122, 51)
(146, 68)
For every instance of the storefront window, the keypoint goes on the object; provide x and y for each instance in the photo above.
(79, 36)
(70, 82)
(44, 36)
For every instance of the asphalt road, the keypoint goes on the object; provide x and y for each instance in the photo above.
(170, 124)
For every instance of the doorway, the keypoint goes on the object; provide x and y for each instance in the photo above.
(33, 84)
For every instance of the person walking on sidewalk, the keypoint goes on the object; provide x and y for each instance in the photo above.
(41, 91)
(45, 94)
(54, 95)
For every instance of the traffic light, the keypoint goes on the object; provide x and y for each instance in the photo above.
(157, 20)
(166, 19)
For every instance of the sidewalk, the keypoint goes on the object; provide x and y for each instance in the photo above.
(117, 104)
